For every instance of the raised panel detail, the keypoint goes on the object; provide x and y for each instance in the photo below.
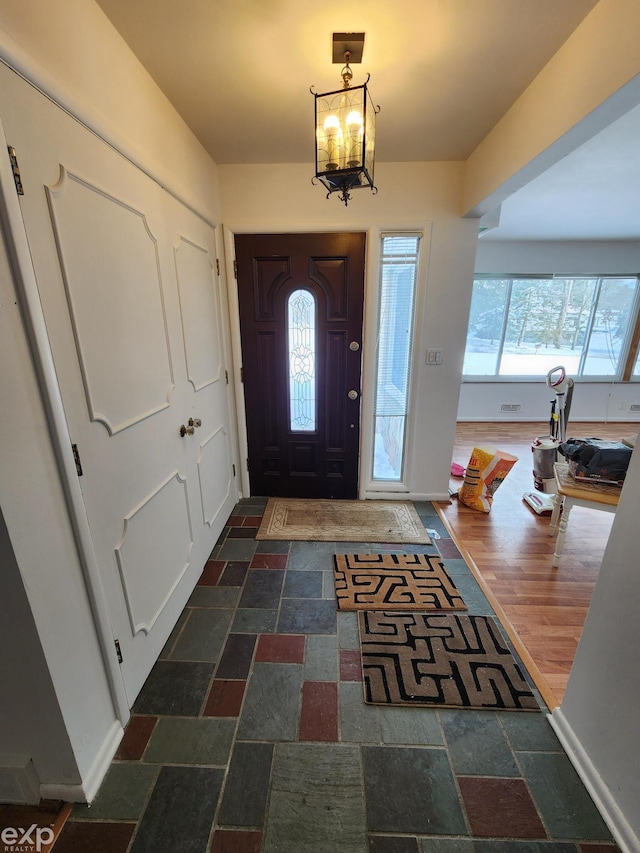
(269, 274)
(112, 279)
(156, 543)
(214, 472)
(199, 313)
(303, 456)
(266, 346)
(332, 276)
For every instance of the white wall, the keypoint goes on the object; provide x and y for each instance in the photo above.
(412, 196)
(592, 401)
(599, 718)
(72, 52)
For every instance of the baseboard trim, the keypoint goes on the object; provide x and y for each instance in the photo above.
(626, 839)
(86, 791)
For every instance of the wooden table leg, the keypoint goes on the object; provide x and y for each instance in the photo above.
(557, 506)
(562, 529)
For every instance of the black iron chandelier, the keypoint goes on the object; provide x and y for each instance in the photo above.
(345, 127)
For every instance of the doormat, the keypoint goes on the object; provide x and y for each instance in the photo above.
(440, 660)
(394, 582)
(342, 521)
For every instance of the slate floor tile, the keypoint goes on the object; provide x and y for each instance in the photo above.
(174, 687)
(123, 793)
(359, 723)
(321, 658)
(280, 648)
(319, 714)
(262, 589)
(168, 646)
(204, 740)
(236, 841)
(225, 698)
(236, 549)
(529, 732)
(477, 744)
(211, 572)
(348, 630)
(307, 616)
(309, 556)
(234, 573)
(447, 548)
(254, 620)
(180, 811)
(316, 801)
(273, 546)
(500, 808)
(214, 596)
(410, 726)
(390, 844)
(271, 708)
(247, 785)
(566, 807)
(242, 533)
(450, 845)
(299, 584)
(511, 846)
(136, 737)
(411, 791)
(203, 634)
(269, 561)
(94, 837)
(350, 665)
(235, 661)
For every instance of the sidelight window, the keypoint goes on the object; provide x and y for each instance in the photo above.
(399, 267)
(301, 330)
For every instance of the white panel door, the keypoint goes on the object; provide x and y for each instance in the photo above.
(136, 317)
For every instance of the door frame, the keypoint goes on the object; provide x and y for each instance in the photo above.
(33, 316)
(372, 263)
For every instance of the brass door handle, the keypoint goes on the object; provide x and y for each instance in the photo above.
(352, 395)
(186, 430)
(195, 422)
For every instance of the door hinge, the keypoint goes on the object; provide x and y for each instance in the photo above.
(235, 269)
(242, 374)
(76, 459)
(16, 171)
(247, 463)
(226, 376)
(118, 650)
(218, 266)
(234, 470)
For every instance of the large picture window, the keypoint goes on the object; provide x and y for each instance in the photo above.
(524, 326)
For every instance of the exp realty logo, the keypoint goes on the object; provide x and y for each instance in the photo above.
(19, 840)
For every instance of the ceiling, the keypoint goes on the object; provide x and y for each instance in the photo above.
(443, 71)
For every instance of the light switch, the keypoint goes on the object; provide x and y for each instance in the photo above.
(434, 356)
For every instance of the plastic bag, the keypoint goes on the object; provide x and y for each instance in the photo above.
(487, 468)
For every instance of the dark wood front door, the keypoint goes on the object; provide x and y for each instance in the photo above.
(301, 299)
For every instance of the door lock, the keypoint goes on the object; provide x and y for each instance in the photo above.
(195, 422)
(186, 430)
(352, 395)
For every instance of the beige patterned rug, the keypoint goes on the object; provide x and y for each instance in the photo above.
(394, 582)
(342, 521)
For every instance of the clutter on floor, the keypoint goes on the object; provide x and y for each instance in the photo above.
(485, 472)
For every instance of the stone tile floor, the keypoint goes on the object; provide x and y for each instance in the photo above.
(251, 733)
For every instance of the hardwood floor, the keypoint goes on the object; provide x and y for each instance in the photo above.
(545, 608)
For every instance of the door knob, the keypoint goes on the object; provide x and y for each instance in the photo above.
(195, 422)
(352, 395)
(186, 430)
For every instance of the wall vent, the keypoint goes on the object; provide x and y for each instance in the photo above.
(634, 407)
(514, 407)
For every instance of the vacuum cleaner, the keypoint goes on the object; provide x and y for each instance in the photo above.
(545, 447)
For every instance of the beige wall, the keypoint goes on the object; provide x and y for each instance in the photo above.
(412, 196)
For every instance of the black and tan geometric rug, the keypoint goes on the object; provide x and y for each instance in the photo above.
(342, 521)
(394, 582)
(440, 660)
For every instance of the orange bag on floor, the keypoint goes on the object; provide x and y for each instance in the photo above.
(487, 468)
